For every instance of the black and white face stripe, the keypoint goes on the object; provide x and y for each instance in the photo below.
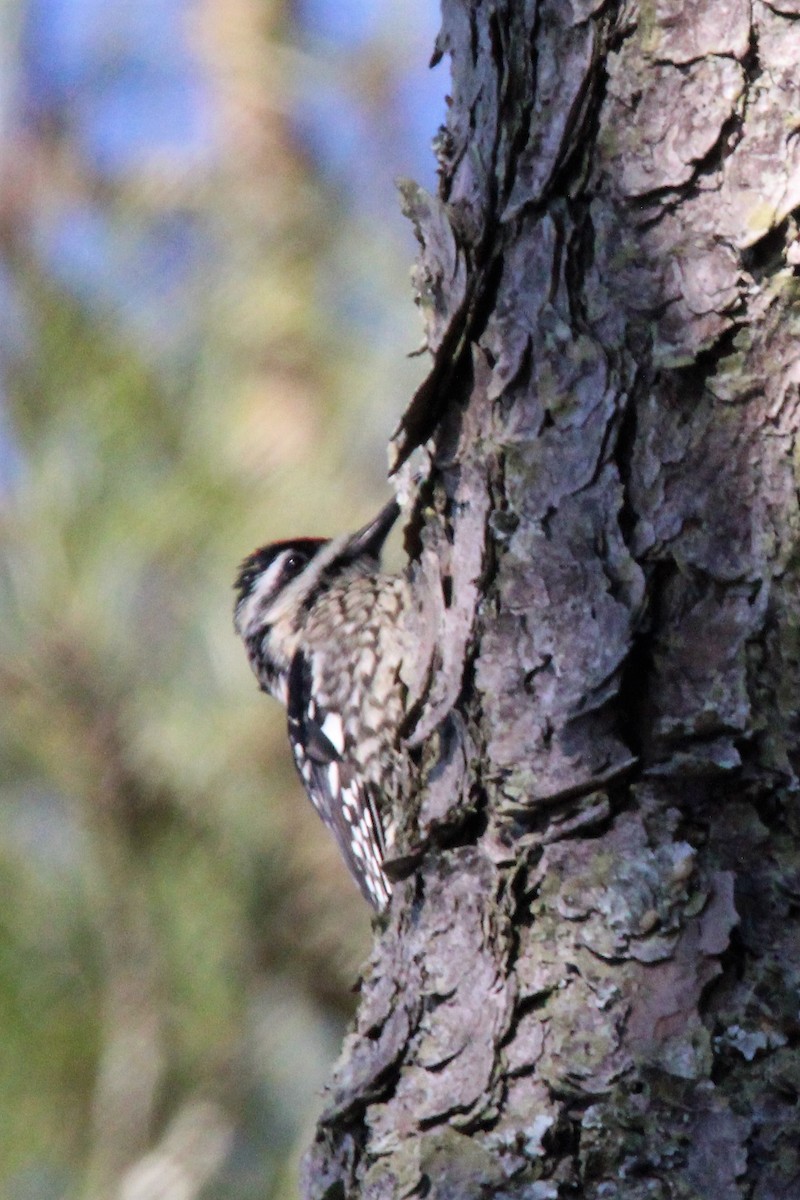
(274, 566)
(265, 574)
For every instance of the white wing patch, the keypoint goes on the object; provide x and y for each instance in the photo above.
(334, 781)
(333, 728)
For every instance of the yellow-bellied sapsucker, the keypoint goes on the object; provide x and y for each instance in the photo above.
(325, 634)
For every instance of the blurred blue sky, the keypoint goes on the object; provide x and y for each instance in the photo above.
(120, 85)
(121, 76)
(364, 150)
(123, 82)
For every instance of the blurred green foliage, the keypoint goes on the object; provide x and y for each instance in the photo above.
(178, 940)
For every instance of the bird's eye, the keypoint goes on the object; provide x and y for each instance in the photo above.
(294, 562)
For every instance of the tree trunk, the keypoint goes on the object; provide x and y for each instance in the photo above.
(589, 985)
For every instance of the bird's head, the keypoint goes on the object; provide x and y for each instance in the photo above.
(278, 584)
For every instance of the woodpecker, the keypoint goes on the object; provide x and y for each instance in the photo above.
(324, 632)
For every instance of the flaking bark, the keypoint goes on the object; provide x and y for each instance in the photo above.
(589, 986)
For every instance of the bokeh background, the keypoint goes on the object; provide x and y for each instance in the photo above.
(205, 316)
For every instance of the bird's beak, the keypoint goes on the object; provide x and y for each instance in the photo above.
(370, 539)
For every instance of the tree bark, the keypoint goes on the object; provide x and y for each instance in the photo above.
(589, 984)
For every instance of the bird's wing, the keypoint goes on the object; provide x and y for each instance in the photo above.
(345, 802)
